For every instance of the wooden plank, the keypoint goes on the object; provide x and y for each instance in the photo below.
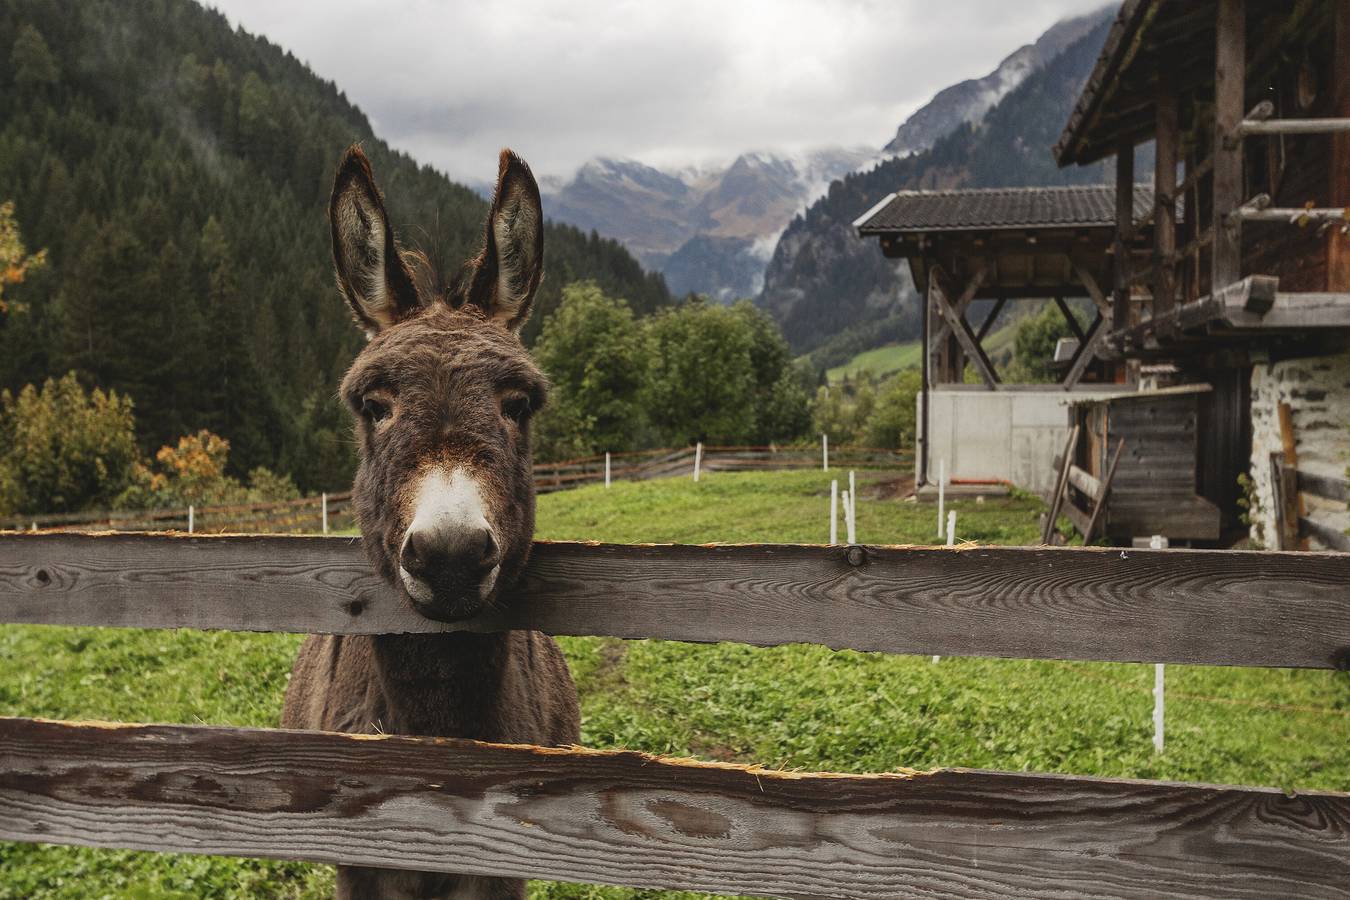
(1329, 537)
(1085, 482)
(1324, 486)
(1070, 318)
(1104, 495)
(1065, 460)
(1186, 606)
(624, 818)
(1229, 104)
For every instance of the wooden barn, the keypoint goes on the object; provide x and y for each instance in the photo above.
(1003, 245)
(1243, 281)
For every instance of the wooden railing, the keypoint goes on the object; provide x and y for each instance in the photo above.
(626, 818)
(309, 514)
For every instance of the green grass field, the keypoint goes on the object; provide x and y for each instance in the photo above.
(884, 361)
(796, 706)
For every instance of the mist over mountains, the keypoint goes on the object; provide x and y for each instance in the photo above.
(714, 229)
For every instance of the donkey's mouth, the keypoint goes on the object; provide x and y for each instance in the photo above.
(449, 599)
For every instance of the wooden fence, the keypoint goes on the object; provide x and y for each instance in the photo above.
(306, 514)
(625, 818)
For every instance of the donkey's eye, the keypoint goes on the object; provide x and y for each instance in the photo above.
(375, 409)
(516, 408)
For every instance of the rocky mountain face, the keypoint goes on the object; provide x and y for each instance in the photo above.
(709, 230)
(834, 293)
(967, 101)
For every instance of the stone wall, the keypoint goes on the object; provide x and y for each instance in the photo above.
(1317, 390)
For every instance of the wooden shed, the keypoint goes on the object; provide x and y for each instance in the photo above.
(1158, 484)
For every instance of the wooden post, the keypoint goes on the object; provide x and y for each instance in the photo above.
(323, 503)
(606, 470)
(1164, 193)
(191, 516)
(1229, 88)
(1120, 298)
(1338, 250)
(834, 512)
(1294, 505)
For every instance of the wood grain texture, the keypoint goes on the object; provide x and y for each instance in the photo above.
(630, 819)
(1178, 606)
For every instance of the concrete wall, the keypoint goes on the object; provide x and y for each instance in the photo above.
(1008, 435)
(1317, 390)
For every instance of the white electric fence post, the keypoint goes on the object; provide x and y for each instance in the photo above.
(825, 451)
(191, 516)
(951, 528)
(323, 508)
(942, 495)
(834, 512)
(852, 500)
(607, 470)
(698, 458)
(848, 518)
(1158, 708)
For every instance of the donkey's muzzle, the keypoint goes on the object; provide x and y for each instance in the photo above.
(449, 569)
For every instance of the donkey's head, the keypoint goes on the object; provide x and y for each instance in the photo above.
(443, 394)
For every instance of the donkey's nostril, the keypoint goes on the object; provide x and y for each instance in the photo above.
(449, 554)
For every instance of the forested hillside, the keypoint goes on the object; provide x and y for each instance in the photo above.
(828, 288)
(177, 173)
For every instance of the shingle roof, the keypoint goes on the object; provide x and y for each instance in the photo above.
(988, 209)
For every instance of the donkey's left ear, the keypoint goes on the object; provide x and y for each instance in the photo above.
(513, 253)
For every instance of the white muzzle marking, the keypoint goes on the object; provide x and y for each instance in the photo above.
(444, 499)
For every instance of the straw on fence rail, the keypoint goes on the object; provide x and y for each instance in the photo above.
(626, 818)
(1178, 606)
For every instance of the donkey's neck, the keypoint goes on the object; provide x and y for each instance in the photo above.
(446, 685)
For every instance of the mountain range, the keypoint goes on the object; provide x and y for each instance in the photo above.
(835, 294)
(713, 229)
(708, 229)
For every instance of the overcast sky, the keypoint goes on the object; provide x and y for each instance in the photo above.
(669, 83)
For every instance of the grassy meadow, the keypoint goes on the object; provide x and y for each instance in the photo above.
(795, 706)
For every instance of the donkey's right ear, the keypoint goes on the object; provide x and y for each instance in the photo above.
(370, 271)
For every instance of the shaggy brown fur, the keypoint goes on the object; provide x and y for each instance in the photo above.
(443, 385)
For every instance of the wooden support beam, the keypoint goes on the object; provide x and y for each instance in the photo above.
(989, 320)
(1120, 248)
(960, 328)
(626, 818)
(1229, 105)
(1087, 352)
(1167, 147)
(967, 295)
(1204, 607)
(1089, 283)
(1086, 482)
(1338, 245)
(1071, 319)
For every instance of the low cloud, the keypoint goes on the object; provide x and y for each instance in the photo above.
(666, 83)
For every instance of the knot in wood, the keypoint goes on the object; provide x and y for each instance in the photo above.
(856, 556)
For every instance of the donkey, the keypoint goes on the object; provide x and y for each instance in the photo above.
(443, 395)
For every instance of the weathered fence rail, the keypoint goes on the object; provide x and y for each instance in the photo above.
(630, 819)
(1238, 608)
(625, 818)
